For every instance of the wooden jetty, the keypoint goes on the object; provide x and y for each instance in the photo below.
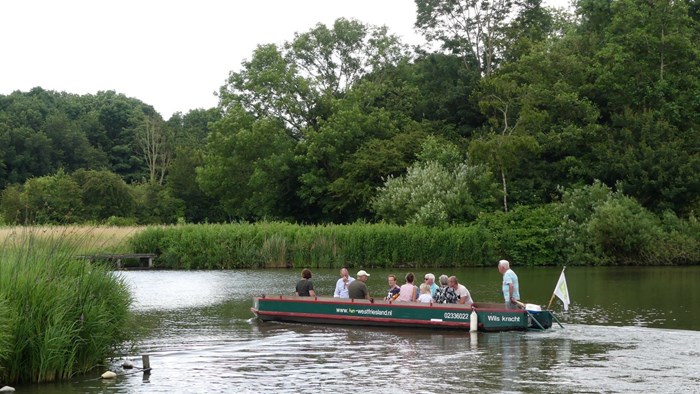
(145, 259)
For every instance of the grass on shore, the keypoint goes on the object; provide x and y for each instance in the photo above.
(59, 315)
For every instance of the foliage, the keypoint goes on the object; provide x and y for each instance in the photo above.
(292, 83)
(13, 205)
(104, 194)
(526, 235)
(181, 183)
(430, 194)
(622, 231)
(439, 190)
(42, 131)
(53, 199)
(155, 205)
(60, 316)
(248, 167)
(471, 28)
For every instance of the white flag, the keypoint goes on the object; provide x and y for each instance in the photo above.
(562, 291)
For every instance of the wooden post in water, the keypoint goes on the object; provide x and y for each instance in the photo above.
(146, 363)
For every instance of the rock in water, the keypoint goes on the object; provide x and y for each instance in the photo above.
(109, 375)
(127, 364)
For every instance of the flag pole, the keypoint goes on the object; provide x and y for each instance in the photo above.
(555, 290)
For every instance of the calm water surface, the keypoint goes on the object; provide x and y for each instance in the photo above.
(628, 330)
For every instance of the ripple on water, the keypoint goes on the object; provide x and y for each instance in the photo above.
(202, 340)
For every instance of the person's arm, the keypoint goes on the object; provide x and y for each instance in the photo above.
(462, 299)
(312, 293)
(511, 289)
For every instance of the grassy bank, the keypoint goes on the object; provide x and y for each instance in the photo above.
(59, 315)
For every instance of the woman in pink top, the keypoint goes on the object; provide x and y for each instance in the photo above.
(408, 291)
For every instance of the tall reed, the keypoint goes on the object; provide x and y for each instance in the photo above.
(59, 315)
(276, 244)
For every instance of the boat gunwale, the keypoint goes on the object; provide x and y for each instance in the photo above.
(479, 307)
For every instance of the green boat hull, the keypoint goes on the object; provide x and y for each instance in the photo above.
(324, 310)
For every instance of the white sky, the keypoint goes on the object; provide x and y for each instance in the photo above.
(169, 54)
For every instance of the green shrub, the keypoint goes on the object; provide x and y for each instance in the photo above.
(526, 235)
(623, 231)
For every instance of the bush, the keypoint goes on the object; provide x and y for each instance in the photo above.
(526, 235)
(13, 205)
(431, 194)
(623, 232)
(53, 199)
(104, 194)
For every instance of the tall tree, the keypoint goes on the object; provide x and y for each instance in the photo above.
(294, 82)
(248, 167)
(156, 145)
(470, 28)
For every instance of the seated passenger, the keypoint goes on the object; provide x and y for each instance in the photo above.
(305, 287)
(445, 294)
(408, 291)
(430, 280)
(425, 294)
(462, 292)
(394, 290)
(358, 289)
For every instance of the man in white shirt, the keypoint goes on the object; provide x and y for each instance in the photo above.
(462, 292)
(341, 286)
(430, 281)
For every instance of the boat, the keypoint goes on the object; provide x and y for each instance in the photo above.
(361, 312)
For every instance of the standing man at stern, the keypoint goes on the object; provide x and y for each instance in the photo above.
(511, 288)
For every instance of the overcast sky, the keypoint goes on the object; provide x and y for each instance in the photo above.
(170, 54)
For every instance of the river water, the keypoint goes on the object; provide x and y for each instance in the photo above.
(628, 330)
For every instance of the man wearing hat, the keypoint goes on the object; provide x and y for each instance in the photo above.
(358, 288)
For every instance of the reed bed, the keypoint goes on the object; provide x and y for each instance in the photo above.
(87, 239)
(274, 245)
(59, 315)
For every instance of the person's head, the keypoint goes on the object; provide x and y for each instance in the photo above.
(410, 277)
(424, 288)
(503, 266)
(443, 280)
(429, 279)
(344, 272)
(392, 280)
(452, 282)
(306, 273)
(362, 275)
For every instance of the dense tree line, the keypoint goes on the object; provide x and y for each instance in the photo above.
(520, 105)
